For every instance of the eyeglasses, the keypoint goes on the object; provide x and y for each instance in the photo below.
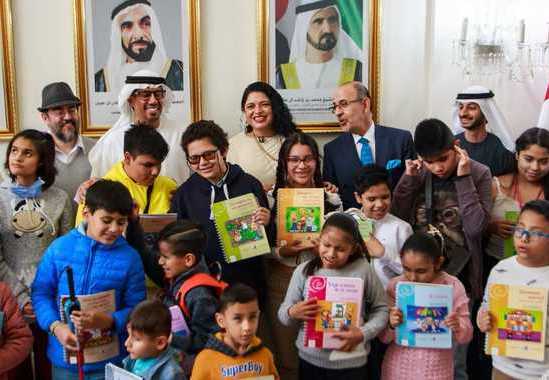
(145, 95)
(343, 104)
(530, 235)
(208, 155)
(307, 160)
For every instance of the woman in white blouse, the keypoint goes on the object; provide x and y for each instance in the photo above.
(268, 122)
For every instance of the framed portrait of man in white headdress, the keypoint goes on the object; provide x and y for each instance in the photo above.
(8, 108)
(310, 47)
(117, 38)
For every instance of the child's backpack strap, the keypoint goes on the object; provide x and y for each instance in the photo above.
(198, 279)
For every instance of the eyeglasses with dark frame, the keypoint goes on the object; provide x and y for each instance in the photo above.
(208, 155)
(145, 95)
(343, 104)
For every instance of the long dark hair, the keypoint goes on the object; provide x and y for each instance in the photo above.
(45, 147)
(349, 226)
(282, 118)
(282, 167)
(534, 136)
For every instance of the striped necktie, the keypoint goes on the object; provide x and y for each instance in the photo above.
(365, 152)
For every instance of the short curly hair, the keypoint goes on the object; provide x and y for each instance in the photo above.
(205, 129)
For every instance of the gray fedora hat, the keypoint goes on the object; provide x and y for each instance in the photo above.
(57, 94)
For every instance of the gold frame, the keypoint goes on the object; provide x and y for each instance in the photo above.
(80, 57)
(8, 66)
(374, 56)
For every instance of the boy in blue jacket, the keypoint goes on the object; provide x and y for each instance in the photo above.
(102, 261)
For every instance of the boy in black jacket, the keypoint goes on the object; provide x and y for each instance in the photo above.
(214, 179)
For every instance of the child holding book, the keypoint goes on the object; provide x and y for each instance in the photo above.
(530, 267)
(102, 261)
(298, 168)
(236, 353)
(373, 193)
(150, 354)
(206, 145)
(342, 253)
(422, 259)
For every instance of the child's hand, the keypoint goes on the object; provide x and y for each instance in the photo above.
(413, 167)
(262, 216)
(85, 320)
(304, 310)
(395, 316)
(28, 311)
(66, 337)
(452, 321)
(502, 228)
(294, 248)
(83, 188)
(484, 320)
(374, 246)
(350, 337)
(464, 164)
(330, 187)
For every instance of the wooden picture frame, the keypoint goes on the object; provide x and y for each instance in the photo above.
(8, 105)
(174, 29)
(281, 57)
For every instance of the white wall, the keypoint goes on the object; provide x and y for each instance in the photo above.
(44, 52)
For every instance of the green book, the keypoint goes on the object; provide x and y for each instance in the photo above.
(240, 237)
(508, 245)
(366, 227)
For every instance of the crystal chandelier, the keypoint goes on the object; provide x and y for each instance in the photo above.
(498, 50)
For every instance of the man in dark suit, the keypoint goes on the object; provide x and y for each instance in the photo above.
(362, 142)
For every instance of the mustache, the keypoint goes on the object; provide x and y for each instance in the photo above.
(139, 41)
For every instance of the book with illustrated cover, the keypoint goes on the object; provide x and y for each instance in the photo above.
(340, 300)
(240, 237)
(424, 308)
(509, 244)
(99, 344)
(300, 213)
(519, 315)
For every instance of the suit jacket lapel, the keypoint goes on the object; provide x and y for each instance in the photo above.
(349, 151)
(381, 144)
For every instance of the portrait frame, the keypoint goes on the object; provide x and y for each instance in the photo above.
(190, 108)
(9, 123)
(325, 123)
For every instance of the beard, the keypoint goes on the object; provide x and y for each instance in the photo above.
(326, 42)
(143, 55)
(477, 123)
(66, 136)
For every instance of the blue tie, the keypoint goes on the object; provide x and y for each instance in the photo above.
(365, 152)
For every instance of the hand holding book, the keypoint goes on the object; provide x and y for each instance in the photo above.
(305, 310)
(350, 337)
(66, 337)
(484, 320)
(91, 320)
(262, 216)
(452, 321)
(395, 317)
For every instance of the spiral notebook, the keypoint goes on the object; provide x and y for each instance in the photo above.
(99, 344)
(340, 300)
(519, 317)
(424, 308)
(300, 213)
(240, 237)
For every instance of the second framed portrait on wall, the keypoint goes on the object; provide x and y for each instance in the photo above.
(309, 47)
(116, 38)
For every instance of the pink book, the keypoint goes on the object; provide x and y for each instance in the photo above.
(340, 300)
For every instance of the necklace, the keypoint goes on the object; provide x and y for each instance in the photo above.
(260, 140)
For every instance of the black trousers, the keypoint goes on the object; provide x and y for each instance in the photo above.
(307, 371)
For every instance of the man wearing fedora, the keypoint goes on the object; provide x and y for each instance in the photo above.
(59, 111)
